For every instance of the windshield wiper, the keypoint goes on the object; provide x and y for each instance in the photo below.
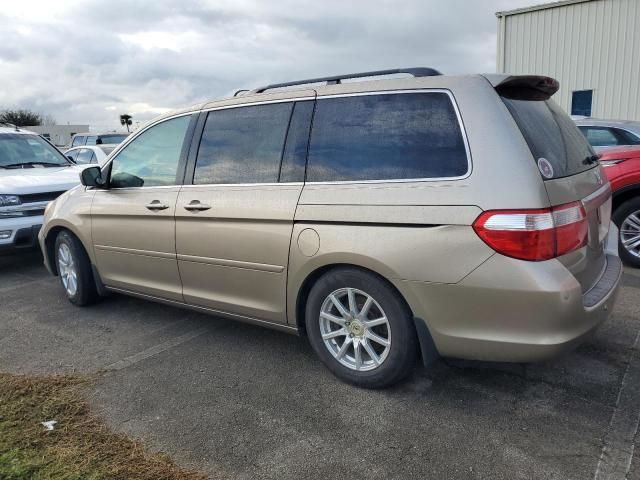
(32, 164)
(591, 159)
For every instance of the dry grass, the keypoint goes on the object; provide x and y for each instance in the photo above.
(79, 447)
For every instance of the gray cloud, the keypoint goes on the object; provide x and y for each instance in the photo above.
(99, 58)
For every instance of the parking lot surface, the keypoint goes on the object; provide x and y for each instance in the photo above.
(239, 401)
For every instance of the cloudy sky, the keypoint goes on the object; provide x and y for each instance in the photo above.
(89, 61)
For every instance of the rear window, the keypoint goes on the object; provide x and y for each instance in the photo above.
(386, 137)
(553, 138)
(112, 139)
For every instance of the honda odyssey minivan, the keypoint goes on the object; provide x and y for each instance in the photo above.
(387, 220)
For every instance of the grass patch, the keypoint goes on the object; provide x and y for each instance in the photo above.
(80, 446)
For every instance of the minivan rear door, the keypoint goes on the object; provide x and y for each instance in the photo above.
(568, 165)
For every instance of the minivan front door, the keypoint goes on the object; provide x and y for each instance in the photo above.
(133, 223)
(234, 223)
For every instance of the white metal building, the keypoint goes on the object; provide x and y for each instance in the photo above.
(592, 47)
(59, 135)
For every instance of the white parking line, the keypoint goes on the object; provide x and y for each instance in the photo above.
(155, 350)
(617, 451)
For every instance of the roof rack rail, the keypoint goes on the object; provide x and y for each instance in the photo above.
(336, 79)
(241, 91)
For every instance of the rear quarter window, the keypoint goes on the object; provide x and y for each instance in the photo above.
(386, 137)
(552, 136)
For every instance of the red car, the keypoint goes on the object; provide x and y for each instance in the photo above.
(622, 166)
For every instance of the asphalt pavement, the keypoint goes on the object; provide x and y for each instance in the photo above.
(239, 401)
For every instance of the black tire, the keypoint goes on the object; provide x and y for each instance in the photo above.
(621, 213)
(85, 293)
(403, 349)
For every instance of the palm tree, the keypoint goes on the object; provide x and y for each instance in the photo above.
(125, 120)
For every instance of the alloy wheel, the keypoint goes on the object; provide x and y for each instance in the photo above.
(630, 233)
(67, 269)
(355, 329)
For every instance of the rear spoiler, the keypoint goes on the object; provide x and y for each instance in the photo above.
(527, 87)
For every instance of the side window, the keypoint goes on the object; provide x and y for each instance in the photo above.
(91, 140)
(625, 137)
(386, 137)
(151, 159)
(599, 137)
(73, 154)
(295, 151)
(243, 145)
(79, 140)
(84, 156)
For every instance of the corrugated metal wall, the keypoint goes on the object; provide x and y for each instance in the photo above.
(593, 44)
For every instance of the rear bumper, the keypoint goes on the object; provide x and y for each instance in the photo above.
(22, 233)
(514, 311)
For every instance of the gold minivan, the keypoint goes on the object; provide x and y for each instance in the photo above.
(388, 220)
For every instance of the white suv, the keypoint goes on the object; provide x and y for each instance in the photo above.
(32, 173)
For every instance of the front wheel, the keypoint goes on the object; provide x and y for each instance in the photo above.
(627, 217)
(360, 328)
(74, 270)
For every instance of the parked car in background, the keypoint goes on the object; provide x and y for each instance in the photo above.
(32, 173)
(603, 134)
(364, 214)
(89, 154)
(622, 167)
(80, 139)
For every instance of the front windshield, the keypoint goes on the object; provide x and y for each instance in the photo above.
(27, 151)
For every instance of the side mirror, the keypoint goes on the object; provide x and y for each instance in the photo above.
(92, 177)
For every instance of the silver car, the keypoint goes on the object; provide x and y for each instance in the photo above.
(603, 134)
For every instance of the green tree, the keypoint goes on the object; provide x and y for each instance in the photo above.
(21, 117)
(126, 120)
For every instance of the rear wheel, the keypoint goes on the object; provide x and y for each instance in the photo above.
(627, 218)
(74, 269)
(360, 328)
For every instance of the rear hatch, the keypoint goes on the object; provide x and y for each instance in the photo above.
(567, 164)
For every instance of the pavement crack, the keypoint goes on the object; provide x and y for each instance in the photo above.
(155, 350)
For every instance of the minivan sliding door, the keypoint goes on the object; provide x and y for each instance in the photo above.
(234, 223)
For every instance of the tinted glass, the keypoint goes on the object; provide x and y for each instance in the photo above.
(151, 159)
(18, 150)
(295, 151)
(385, 137)
(625, 137)
(78, 141)
(243, 145)
(91, 140)
(599, 137)
(552, 135)
(84, 156)
(113, 139)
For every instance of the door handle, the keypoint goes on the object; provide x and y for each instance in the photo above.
(156, 205)
(196, 206)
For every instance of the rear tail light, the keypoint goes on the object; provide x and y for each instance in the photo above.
(534, 235)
